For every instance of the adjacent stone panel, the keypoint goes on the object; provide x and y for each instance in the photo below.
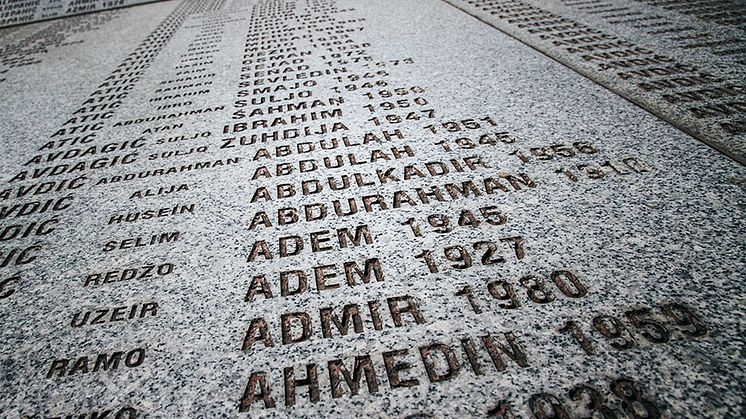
(16, 12)
(344, 208)
(683, 61)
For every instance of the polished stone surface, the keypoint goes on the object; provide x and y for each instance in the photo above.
(683, 61)
(18, 12)
(343, 208)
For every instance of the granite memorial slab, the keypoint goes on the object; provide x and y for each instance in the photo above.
(684, 61)
(17, 12)
(386, 209)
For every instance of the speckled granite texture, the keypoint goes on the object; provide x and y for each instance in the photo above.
(683, 61)
(18, 12)
(338, 208)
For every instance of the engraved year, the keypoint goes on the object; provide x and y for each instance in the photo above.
(485, 252)
(584, 400)
(462, 125)
(443, 223)
(555, 151)
(466, 143)
(625, 332)
(529, 288)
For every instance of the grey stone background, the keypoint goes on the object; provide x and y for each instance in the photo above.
(672, 234)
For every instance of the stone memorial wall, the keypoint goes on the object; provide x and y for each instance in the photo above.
(374, 208)
(16, 12)
(681, 60)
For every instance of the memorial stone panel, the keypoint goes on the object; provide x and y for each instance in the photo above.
(348, 208)
(16, 12)
(684, 61)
